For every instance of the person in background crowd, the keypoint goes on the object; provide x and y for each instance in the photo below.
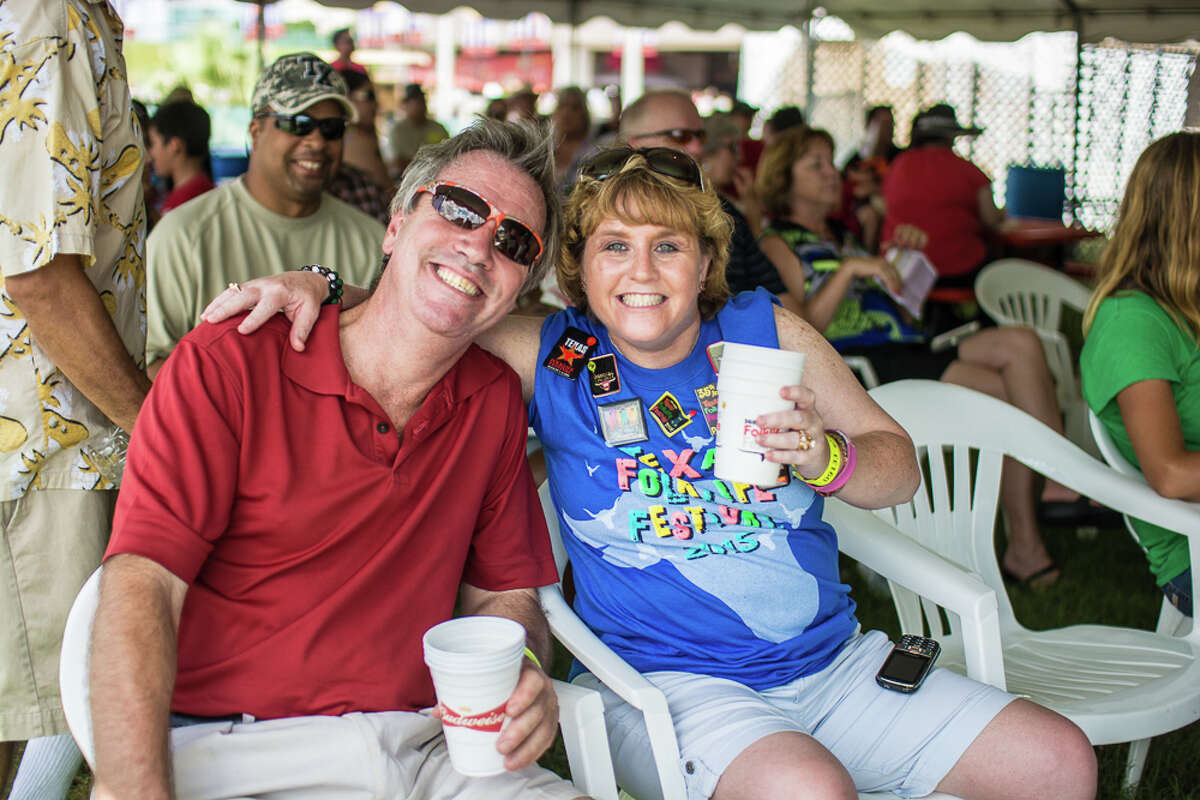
(1139, 365)
(416, 129)
(522, 104)
(72, 238)
(497, 108)
(664, 118)
(935, 189)
(179, 134)
(743, 114)
(343, 42)
(836, 283)
(573, 129)
(150, 193)
(362, 178)
(274, 217)
(784, 118)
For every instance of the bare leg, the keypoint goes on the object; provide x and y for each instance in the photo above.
(773, 767)
(1025, 752)
(1026, 553)
(1017, 354)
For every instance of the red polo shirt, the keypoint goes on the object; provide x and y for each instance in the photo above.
(318, 544)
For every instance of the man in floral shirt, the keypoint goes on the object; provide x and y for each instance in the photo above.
(72, 330)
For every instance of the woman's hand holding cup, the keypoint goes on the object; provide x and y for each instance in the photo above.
(798, 439)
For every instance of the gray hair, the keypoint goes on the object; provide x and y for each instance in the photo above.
(528, 145)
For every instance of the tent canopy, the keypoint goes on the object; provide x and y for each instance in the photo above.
(992, 20)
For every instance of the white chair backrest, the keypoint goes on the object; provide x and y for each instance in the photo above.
(556, 542)
(1108, 448)
(962, 437)
(75, 664)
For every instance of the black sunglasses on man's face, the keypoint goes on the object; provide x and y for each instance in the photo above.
(332, 128)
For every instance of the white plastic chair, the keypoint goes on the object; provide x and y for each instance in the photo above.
(862, 366)
(862, 536)
(1014, 291)
(1117, 684)
(580, 710)
(1170, 619)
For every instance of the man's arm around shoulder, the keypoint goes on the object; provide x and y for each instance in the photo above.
(133, 676)
(533, 707)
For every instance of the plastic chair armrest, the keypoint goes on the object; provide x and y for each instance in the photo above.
(879, 545)
(581, 717)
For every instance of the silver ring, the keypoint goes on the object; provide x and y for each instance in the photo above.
(235, 286)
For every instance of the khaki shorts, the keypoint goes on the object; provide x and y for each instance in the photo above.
(390, 754)
(52, 541)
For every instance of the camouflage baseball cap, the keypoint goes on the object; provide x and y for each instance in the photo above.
(295, 82)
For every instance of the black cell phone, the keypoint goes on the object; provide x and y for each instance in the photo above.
(907, 665)
(951, 338)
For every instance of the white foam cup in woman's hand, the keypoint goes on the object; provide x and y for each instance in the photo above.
(748, 385)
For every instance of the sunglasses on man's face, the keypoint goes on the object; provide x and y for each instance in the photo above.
(466, 209)
(680, 136)
(661, 160)
(332, 128)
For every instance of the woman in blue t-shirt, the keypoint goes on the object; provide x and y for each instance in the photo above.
(1140, 364)
(725, 595)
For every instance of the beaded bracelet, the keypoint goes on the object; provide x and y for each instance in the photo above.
(335, 282)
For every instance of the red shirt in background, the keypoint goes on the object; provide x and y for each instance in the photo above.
(934, 189)
(317, 544)
(346, 65)
(198, 185)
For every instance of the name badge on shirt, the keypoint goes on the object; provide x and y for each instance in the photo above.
(570, 353)
(622, 422)
(602, 375)
(669, 414)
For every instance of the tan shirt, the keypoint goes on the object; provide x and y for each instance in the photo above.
(226, 235)
(71, 157)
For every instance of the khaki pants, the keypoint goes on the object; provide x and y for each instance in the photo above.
(390, 754)
(52, 540)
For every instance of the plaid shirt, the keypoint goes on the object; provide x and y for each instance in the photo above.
(353, 186)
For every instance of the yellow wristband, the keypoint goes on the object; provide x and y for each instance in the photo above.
(530, 655)
(831, 469)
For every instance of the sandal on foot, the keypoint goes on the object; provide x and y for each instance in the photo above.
(1034, 580)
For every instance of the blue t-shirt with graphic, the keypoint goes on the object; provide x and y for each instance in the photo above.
(675, 569)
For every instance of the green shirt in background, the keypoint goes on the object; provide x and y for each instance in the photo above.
(1134, 339)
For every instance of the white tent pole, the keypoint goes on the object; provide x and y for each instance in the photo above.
(445, 54)
(633, 66)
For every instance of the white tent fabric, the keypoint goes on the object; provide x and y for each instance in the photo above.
(990, 20)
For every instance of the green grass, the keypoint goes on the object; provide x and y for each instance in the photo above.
(1104, 580)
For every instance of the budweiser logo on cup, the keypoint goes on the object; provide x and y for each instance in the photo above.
(490, 721)
(475, 663)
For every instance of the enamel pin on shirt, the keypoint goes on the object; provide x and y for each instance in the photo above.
(622, 422)
(714, 351)
(669, 414)
(706, 396)
(602, 375)
(570, 353)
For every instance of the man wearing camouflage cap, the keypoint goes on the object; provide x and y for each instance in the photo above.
(275, 217)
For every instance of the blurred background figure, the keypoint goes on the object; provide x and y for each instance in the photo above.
(863, 203)
(743, 115)
(150, 194)
(414, 130)
(360, 146)
(748, 266)
(945, 195)
(497, 108)
(784, 118)
(522, 104)
(343, 42)
(573, 132)
(179, 134)
(881, 131)
(180, 92)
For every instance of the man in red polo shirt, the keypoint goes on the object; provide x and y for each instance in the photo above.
(292, 522)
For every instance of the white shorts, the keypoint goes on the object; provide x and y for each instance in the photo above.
(353, 757)
(888, 741)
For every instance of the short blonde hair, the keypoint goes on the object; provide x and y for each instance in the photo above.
(639, 196)
(1155, 247)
